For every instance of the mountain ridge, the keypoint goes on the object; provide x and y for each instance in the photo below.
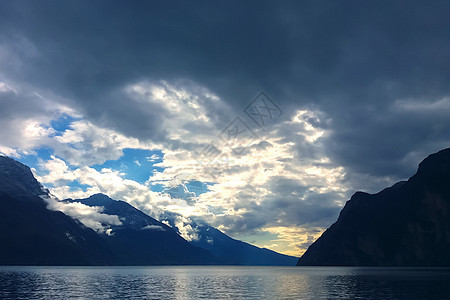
(227, 250)
(143, 240)
(32, 233)
(58, 240)
(407, 224)
(236, 252)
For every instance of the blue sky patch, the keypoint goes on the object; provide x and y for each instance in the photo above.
(136, 164)
(62, 123)
(33, 160)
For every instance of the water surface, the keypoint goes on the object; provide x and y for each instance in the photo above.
(198, 282)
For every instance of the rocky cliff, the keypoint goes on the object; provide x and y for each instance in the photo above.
(407, 224)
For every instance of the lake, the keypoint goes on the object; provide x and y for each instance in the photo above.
(219, 282)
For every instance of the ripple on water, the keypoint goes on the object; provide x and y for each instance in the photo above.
(189, 282)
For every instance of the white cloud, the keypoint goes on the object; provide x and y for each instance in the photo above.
(153, 157)
(180, 117)
(113, 184)
(185, 228)
(84, 144)
(27, 111)
(273, 184)
(5, 88)
(180, 191)
(192, 111)
(306, 119)
(153, 227)
(292, 240)
(26, 114)
(91, 217)
(246, 187)
(6, 151)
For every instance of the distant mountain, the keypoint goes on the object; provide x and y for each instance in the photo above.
(139, 229)
(234, 252)
(142, 240)
(407, 224)
(30, 234)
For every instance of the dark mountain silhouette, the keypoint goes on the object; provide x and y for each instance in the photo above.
(138, 228)
(235, 252)
(142, 240)
(30, 234)
(407, 224)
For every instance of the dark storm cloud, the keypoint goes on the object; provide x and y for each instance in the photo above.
(290, 204)
(284, 210)
(16, 109)
(351, 59)
(390, 143)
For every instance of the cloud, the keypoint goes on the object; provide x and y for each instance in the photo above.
(153, 227)
(25, 116)
(393, 141)
(293, 240)
(85, 144)
(89, 216)
(6, 151)
(153, 157)
(266, 186)
(181, 192)
(185, 229)
(305, 61)
(107, 181)
(363, 88)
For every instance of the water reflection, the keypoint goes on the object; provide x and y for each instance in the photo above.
(222, 283)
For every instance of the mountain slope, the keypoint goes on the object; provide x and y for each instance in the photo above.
(235, 252)
(407, 224)
(30, 234)
(142, 240)
(139, 229)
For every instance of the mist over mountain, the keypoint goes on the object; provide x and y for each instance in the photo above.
(31, 234)
(407, 224)
(101, 231)
(138, 227)
(142, 240)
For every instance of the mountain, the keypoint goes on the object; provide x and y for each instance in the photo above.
(138, 228)
(142, 240)
(407, 224)
(235, 252)
(30, 234)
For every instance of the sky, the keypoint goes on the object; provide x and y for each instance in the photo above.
(260, 118)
